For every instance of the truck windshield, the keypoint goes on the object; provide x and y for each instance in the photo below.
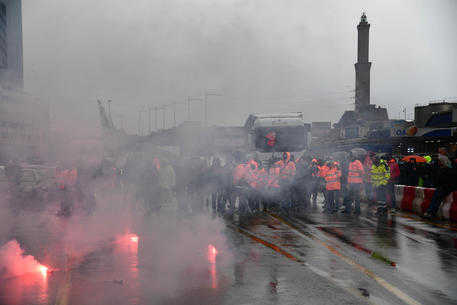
(287, 138)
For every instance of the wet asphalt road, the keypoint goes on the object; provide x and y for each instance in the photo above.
(267, 258)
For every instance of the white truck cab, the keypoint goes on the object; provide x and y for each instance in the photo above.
(276, 133)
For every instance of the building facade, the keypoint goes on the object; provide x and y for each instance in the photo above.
(11, 53)
(24, 123)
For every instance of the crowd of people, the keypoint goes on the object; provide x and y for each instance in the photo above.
(248, 184)
(343, 180)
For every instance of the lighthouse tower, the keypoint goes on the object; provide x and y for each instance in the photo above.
(365, 113)
(362, 67)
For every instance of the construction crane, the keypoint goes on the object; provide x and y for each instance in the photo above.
(107, 123)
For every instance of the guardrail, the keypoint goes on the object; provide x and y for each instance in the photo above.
(417, 199)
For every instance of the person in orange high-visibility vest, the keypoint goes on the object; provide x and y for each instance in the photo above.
(262, 179)
(251, 178)
(258, 194)
(355, 181)
(238, 173)
(286, 175)
(273, 176)
(287, 167)
(251, 174)
(332, 174)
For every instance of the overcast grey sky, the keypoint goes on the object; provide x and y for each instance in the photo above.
(262, 55)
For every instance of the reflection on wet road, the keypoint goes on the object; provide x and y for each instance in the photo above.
(261, 259)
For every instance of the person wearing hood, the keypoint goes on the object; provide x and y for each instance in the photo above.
(251, 177)
(314, 169)
(287, 171)
(355, 182)
(394, 178)
(380, 175)
(302, 183)
(332, 175)
(445, 184)
(427, 172)
(412, 172)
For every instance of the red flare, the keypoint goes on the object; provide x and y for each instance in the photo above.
(43, 270)
(212, 253)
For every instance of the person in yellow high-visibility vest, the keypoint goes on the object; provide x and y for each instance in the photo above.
(380, 175)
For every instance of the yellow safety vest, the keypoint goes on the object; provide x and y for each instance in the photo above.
(380, 174)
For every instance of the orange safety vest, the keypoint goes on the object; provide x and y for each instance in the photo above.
(273, 180)
(238, 173)
(72, 176)
(67, 177)
(60, 178)
(288, 171)
(332, 178)
(356, 172)
(262, 179)
(251, 177)
(322, 170)
(287, 168)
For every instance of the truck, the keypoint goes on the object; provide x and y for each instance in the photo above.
(270, 133)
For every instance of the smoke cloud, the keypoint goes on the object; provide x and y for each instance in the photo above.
(13, 261)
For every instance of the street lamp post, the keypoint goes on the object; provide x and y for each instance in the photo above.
(140, 125)
(174, 113)
(163, 113)
(139, 122)
(156, 109)
(163, 117)
(149, 120)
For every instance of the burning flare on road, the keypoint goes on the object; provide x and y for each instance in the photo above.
(212, 253)
(43, 270)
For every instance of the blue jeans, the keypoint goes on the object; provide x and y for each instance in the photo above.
(438, 196)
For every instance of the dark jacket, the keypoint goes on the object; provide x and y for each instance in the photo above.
(446, 179)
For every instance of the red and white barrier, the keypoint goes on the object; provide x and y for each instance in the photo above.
(428, 194)
(406, 202)
(417, 199)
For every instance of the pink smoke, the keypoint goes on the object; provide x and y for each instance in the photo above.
(13, 262)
